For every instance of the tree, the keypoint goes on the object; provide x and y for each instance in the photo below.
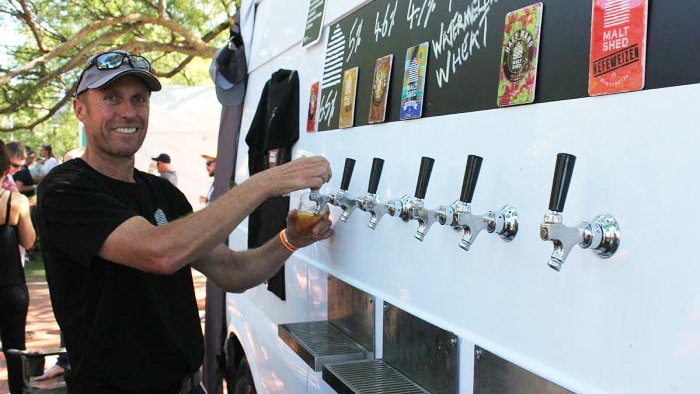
(39, 73)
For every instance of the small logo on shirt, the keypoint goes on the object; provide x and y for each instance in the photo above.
(159, 216)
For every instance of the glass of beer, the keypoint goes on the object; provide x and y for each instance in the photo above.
(307, 215)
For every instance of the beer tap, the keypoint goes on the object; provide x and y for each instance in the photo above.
(602, 233)
(370, 202)
(323, 199)
(503, 222)
(410, 208)
(342, 198)
(320, 198)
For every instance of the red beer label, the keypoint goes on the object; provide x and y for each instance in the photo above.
(618, 46)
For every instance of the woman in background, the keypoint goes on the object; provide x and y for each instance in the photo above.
(15, 229)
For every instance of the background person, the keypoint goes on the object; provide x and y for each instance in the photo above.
(165, 168)
(15, 230)
(50, 162)
(210, 162)
(23, 177)
(139, 240)
(15, 150)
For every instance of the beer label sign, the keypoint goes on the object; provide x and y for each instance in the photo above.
(380, 89)
(347, 101)
(618, 46)
(519, 55)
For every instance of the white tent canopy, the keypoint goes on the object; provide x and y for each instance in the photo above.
(184, 123)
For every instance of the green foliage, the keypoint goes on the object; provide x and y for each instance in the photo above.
(56, 37)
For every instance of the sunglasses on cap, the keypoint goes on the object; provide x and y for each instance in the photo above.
(112, 60)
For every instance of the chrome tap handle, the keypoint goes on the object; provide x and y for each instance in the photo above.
(375, 175)
(471, 175)
(426, 167)
(347, 173)
(343, 199)
(370, 202)
(407, 207)
(470, 223)
(602, 233)
(560, 184)
(503, 222)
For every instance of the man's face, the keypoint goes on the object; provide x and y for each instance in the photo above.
(115, 117)
(211, 167)
(15, 165)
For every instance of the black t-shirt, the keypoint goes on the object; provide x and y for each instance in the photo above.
(24, 176)
(126, 330)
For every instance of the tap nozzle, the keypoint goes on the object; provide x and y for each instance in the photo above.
(603, 232)
(427, 217)
(344, 200)
(413, 208)
(320, 198)
(370, 202)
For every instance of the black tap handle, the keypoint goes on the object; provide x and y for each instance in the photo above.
(377, 165)
(562, 178)
(426, 167)
(347, 174)
(471, 175)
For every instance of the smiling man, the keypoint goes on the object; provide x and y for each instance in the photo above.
(118, 243)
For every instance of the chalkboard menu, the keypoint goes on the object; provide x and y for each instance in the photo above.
(314, 22)
(465, 40)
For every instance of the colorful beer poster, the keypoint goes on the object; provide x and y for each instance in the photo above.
(618, 46)
(313, 108)
(380, 89)
(347, 100)
(519, 55)
(413, 87)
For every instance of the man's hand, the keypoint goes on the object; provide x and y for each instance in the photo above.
(320, 231)
(298, 174)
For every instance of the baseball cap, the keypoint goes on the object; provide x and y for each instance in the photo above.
(106, 67)
(211, 155)
(228, 71)
(163, 157)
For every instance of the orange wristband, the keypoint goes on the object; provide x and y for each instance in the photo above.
(285, 242)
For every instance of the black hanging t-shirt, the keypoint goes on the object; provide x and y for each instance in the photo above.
(126, 330)
(273, 132)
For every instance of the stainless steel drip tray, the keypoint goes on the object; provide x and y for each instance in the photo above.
(318, 343)
(368, 377)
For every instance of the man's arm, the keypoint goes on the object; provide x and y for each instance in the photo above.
(238, 271)
(139, 244)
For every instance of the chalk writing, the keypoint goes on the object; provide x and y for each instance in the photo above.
(461, 38)
(383, 28)
(327, 109)
(419, 14)
(355, 38)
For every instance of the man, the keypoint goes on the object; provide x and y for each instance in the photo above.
(210, 162)
(17, 160)
(165, 168)
(35, 167)
(118, 243)
(50, 161)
